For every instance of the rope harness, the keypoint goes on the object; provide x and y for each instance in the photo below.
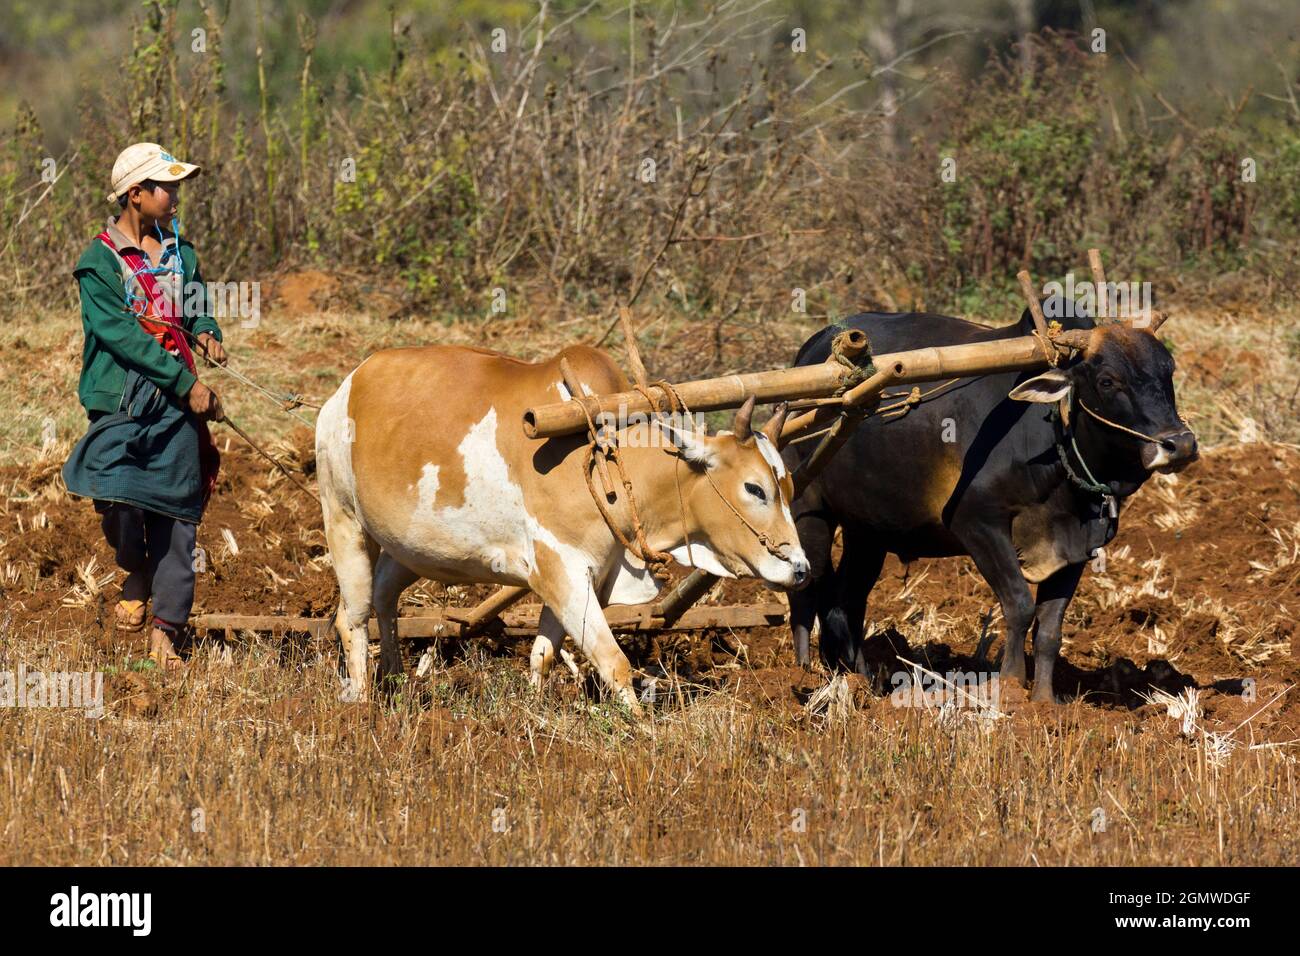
(607, 447)
(1090, 484)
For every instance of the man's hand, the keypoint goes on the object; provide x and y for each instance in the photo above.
(205, 403)
(212, 350)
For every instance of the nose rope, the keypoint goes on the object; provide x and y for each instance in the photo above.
(779, 551)
(1090, 482)
(1129, 431)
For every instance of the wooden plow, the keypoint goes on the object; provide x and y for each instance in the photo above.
(454, 622)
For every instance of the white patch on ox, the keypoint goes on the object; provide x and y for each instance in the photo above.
(770, 454)
(702, 557)
(428, 489)
(492, 525)
(632, 582)
(773, 458)
(334, 439)
(1162, 458)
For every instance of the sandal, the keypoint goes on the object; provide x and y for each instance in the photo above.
(130, 615)
(168, 662)
(166, 658)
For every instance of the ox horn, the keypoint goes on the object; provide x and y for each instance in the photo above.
(743, 415)
(1157, 319)
(1073, 338)
(774, 424)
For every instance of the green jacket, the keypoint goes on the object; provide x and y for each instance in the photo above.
(115, 342)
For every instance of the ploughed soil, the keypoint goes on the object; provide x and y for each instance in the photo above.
(1200, 589)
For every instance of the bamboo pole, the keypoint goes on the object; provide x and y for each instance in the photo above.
(731, 391)
(476, 618)
(809, 381)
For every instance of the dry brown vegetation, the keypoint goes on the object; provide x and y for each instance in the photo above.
(743, 749)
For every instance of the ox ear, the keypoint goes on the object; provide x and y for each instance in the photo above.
(695, 448)
(1052, 386)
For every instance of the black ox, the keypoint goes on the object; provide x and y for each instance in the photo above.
(988, 468)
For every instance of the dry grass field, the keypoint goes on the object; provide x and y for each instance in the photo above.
(1177, 745)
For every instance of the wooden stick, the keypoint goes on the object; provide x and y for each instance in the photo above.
(522, 622)
(633, 353)
(1031, 297)
(1036, 310)
(834, 439)
(475, 619)
(1099, 283)
(674, 605)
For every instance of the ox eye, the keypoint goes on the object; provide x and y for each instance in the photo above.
(756, 491)
(1105, 382)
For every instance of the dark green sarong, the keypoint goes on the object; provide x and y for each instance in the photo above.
(144, 454)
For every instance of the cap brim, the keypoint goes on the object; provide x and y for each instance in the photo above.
(164, 172)
(160, 172)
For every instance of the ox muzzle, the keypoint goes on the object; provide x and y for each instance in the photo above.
(1171, 451)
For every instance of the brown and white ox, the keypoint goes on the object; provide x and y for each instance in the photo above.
(424, 471)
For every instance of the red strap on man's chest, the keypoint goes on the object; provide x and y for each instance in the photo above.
(159, 306)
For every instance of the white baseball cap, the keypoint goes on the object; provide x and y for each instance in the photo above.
(144, 161)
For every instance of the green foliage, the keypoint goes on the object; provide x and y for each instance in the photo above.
(419, 215)
(475, 169)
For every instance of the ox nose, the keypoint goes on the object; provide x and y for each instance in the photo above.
(801, 570)
(1181, 447)
(1175, 451)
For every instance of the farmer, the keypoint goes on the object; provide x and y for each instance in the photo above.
(147, 461)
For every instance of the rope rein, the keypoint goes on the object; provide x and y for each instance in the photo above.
(639, 545)
(286, 402)
(297, 399)
(1123, 428)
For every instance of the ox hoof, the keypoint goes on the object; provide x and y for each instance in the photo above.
(1042, 696)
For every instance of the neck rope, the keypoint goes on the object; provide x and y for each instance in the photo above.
(169, 263)
(1090, 484)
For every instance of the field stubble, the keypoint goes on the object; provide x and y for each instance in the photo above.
(254, 757)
